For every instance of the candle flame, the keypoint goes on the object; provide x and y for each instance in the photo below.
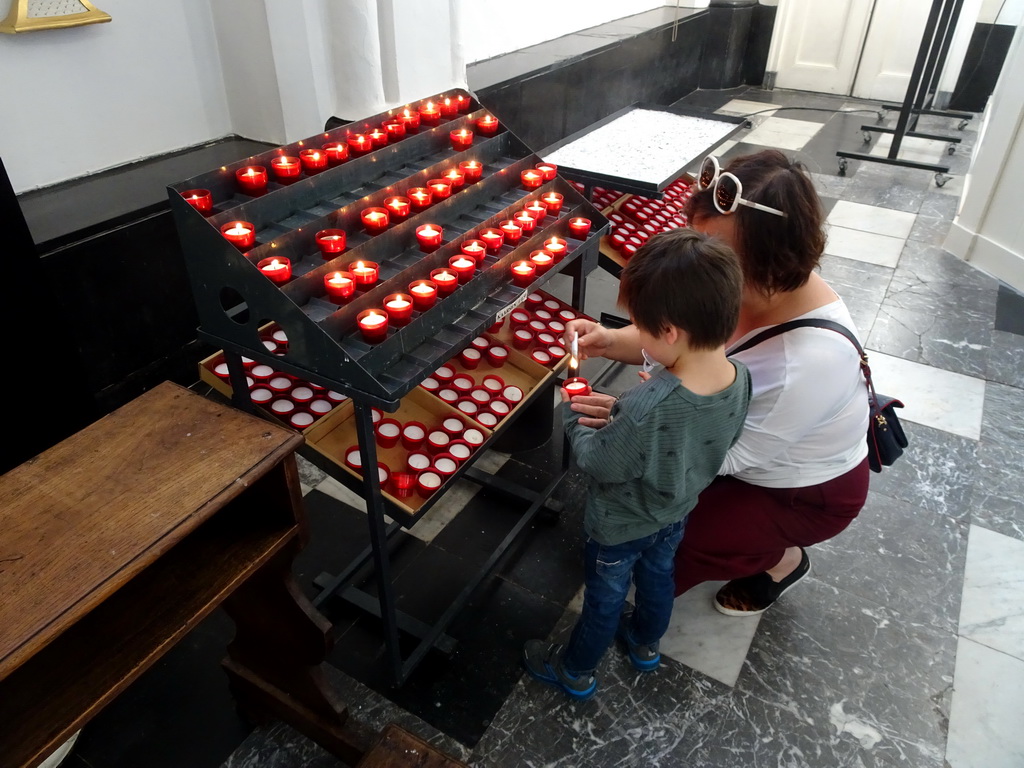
(428, 231)
(445, 276)
(430, 105)
(360, 265)
(421, 289)
(462, 263)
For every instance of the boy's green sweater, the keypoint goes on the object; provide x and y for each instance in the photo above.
(663, 446)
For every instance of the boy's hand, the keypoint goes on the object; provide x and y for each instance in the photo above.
(644, 375)
(597, 408)
(595, 339)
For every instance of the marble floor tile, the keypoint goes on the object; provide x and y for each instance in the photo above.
(783, 133)
(704, 639)
(1001, 423)
(891, 556)
(985, 722)
(310, 475)
(929, 229)
(992, 609)
(911, 148)
(861, 285)
(863, 246)
(829, 186)
(942, 202)
(998, 490)
(936, 398)
(883, 185)
(871, 218)
(742, 107)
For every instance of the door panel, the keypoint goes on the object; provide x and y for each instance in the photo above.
(890, 49)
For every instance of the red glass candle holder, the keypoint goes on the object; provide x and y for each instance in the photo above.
(448, 107)
(542, 260)
(441, 189)
(455, 177)
(556, 352)
(302, 394)
(473, 169)
(364, 273)
(576, 386)
(481, 395)
(534, 300)
(331, 242)
(339, 286)
(541, 356)
(474, 437)
(454, 426)
(531, 178)
(387, 432)
(553, 201)
(430, 384)
(496, 326)
(462, 103)
(320, 407)
(241, 234)
(337, 152)
(460, 450)
(475, 249)
(359, 144)
(427, 483)
(353, 459)
(487, 125)
(497, 355)
(373, 323)
(493, 239)
(430, 113)
(579, 227)
(403, 484)
(424, 294)
(470, 358)
(463, 266)
(398, 207)
(468, 406)
(487, 418)
(420, 198)
(550, 170)
(417, 461)
(313, 160)
(437, 441)
(522, 338)
(519, 318)
(446, 281)
(557, 247)
(512, 231)
(259, 372)
(526, 221)
(378, 137)
(523, 273)
(444, 374)
(500, 408)
(493, 383)
(200, 199)
(481, 343)
(413, 435)
(383, 473)
(538, 210)
(410, 119)
(252, 179)
(399, 308)
(461, 139)
(448, 394)
(395, 129)
(283, 408)
(286, 168)
(463, 383)
(375, 220)
(429, 237)
(261, 395)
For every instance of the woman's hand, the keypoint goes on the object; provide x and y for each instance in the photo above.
(597, 408)
(595, 339)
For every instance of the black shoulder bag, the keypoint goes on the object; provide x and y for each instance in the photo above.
(886, 439)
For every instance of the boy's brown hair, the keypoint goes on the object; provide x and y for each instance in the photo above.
(686, 279)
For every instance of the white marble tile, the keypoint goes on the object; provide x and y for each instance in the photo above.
(936, 398)
(744, 107)
(783, 133)
(871, 218)
(985, 717)
(864, 246)
(912, 148)
(992, 608)
(704, 639)
(305, 488)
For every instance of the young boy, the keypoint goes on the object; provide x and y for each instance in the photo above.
(663, 444)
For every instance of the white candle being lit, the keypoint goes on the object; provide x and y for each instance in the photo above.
(461, 263)
(373, 320)
(445, 276)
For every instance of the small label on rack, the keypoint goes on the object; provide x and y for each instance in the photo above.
(511, 306)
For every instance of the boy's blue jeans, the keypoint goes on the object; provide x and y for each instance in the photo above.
(649, 562)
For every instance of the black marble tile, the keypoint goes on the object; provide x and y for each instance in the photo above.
(887, 186)
(1006, 359)
(930, 229)
(280, 746)
(1009, 310)
(711, 100)
(999, 484)
(861, 285)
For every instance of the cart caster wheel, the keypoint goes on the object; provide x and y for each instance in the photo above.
(866, 136)
(842, 166)
(951, 149)
(941, 179)
(962, 124)
(881, 115)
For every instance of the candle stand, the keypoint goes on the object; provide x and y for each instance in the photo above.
(238, 305)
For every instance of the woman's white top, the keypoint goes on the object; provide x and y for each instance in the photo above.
(808, 416)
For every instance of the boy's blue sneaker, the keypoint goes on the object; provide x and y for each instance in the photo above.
(544, 662)
(645, 658)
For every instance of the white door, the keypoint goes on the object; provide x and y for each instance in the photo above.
(817, 43)
(890, 49)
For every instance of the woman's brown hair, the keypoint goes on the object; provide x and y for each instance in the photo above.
(777, 253)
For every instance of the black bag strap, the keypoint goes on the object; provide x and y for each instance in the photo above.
(830, 325)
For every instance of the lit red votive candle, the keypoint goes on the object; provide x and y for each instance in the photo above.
(538, 210)
(336, 151)
(473, 169)
(487, 125)
(576, 386)
(446, 281)
(252, 179)
(378, 137)
(395, 129)
(475, 249)
(461, 139)
(410, 119)
(200, 199)
(313, 160)
(399, 308)
(375, 220)
(429, 237)
(286, 167)
(424, 294)
(456, 178)
(277, 268)
(464, 267)
(493, 239)
(579, 227)
(339, 286)
(525, 220)
(511, 230)
(550, 170)
(359, 143)
(462, 103)
(553, 201)
(430, 113)
(557, 247)
(448, 107)
(373, 323)
(440, 188)
(523, 273)
(331, 242)
(241, 234)
(420, 197)
(542, 260)
(364, 273)
(531, 178)
(399, 207)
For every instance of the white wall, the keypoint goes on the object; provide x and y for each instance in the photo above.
(989, 230)
(1009, 12)
(79, 100)
(490, 27)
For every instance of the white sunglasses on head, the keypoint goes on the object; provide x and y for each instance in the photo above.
(727, 190)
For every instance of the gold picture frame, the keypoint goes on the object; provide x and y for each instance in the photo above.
(19, 20)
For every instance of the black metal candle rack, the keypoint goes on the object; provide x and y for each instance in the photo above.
(235, 300)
